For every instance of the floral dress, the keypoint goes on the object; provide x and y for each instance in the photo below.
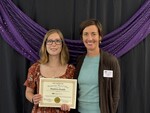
(33, 82)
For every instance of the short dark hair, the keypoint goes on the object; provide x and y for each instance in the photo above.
(89, 22)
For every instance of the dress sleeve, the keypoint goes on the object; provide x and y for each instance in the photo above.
(31, 77)
(70, 71)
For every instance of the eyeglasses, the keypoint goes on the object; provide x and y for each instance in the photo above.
(57, 42)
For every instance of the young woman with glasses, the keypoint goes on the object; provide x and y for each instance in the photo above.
(53, 63)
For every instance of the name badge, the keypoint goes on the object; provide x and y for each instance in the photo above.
(108, 73)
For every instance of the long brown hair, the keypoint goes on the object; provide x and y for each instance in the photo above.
(64, 55)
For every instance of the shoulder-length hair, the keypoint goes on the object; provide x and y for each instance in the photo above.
(64, 54)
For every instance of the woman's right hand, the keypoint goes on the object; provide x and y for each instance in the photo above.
(36, 98)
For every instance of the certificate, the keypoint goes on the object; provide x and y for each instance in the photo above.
(57, 91)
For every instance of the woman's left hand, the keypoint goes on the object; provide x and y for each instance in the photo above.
(65, 107)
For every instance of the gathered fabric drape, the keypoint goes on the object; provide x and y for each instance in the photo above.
(25, 36)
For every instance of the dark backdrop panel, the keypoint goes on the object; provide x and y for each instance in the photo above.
(67, 15)
(13, 71)
(135, 78)
(51, 14)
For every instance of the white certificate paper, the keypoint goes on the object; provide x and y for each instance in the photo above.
(57, 91)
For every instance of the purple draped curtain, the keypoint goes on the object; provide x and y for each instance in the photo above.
(25, 36)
